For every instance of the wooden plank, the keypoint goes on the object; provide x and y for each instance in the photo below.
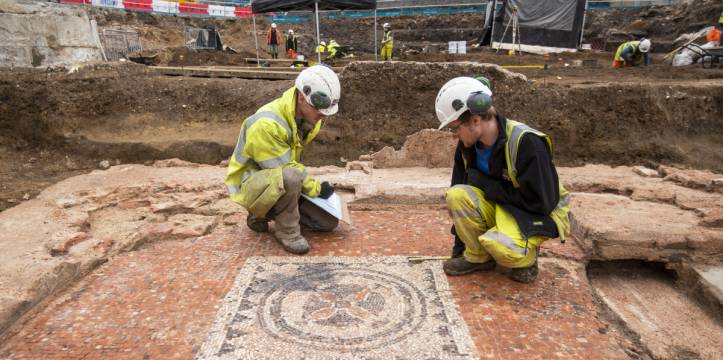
(224, 73)
(253, 60)
(256, 68)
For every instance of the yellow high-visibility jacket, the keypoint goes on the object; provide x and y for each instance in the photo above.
(388, 39)
(269, 140)
(635, 45)
(331, 48)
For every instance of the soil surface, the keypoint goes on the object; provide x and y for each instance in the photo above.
(664, 23)
(118, 113)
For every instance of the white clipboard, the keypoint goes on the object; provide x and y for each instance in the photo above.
(334, 205)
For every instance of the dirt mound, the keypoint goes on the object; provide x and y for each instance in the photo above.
(617, 124)
(120, 113)
(664, 23)
(159, 31)
(184, 56)
(428, 148)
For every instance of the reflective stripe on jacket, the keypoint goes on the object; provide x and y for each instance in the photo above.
(526, 191)
(515, 131)
(269, 139)
(388, 39)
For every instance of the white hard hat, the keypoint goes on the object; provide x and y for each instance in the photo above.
(291, 31)
(273, 25)
(323, 43)
(644, 45)
(453, 98)
(386, 25)
(320, 87)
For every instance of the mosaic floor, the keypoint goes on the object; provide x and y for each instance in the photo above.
(338, 307)
(160, 301)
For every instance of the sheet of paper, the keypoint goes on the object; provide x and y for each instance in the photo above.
(334, 205)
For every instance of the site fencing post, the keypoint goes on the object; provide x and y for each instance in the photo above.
(376, 58)
(256, 36)
(318, 37)
(582, 27)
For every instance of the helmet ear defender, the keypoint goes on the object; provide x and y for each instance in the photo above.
(478, 103)
(319, 100)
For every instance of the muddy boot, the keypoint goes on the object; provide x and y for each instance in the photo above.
(296, 245)
(524, 275)
(256, 224)
(460, 266)
(286, 210)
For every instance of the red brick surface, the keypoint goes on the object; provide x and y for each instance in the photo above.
(158, 302)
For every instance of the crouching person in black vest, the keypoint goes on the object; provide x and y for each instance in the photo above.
(506, 198)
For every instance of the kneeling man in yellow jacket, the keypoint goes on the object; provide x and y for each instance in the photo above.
(264, 173)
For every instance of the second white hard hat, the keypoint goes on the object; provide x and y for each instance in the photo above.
(452, 99)
(273, 25)
(644, 45)
(321, 88)
(386, 25)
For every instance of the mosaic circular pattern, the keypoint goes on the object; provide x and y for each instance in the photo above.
(345, 309)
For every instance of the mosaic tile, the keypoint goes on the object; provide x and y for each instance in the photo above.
(338, 308)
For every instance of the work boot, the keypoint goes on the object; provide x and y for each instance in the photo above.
(525, 274)
(460, 266)
(256, 224)
(295, 245)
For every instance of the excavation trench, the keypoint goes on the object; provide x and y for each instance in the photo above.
(658, 309)
(120, 112)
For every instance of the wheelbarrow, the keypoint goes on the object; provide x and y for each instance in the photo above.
(708, 57)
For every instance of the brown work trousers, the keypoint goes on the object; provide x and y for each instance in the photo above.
(291, 210)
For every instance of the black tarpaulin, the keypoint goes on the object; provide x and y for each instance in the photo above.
(263, 6)
(545, 26)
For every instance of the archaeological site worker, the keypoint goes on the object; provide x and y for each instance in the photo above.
(264, 173)
(632, 53)
(506, 198)
(321, 48)
(273, 40)
(291, 45)
(713, 35)
(387, 43)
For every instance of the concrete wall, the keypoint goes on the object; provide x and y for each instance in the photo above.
(42, 34)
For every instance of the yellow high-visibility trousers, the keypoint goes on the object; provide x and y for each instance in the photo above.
(386, 53)
(489, 231)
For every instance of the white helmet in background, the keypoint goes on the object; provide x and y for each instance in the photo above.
(323, 43)
(644, 45)
(273, 25)
(321, 88)
(386, 25)
(459, 95)
(291, 31)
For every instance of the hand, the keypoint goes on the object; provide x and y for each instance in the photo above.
(326, 190)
